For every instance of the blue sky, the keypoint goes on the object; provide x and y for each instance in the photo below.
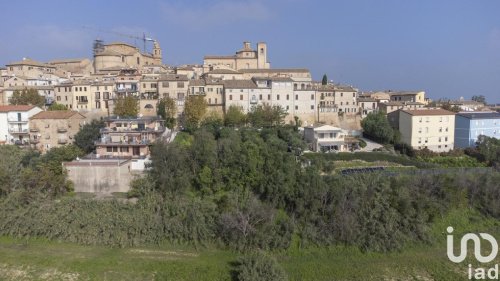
(449, 48)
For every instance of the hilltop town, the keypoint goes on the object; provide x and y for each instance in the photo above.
(329, 115)
(233, 170)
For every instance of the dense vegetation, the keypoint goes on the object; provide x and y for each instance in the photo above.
(248, 190)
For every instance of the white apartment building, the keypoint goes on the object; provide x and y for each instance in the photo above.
(14, 123)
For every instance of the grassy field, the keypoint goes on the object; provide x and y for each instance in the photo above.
(38, 259)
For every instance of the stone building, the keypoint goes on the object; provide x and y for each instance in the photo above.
(246, 58)
(50, 129)
(123, 55)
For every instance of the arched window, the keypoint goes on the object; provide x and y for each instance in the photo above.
(148, 106)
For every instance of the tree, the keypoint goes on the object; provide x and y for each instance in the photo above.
(57, 106)
(27, 97)
(377, 127)
(126, 107)
(167, 110)
(195, 108)
(489, 149)
(447, 106)
(479, 98)
(88, 134)
(324, 81)
(234, 116)
(267, 116)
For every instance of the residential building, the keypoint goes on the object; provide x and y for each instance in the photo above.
(50, 129)
(129, 137)
(14, 123)
(174, 86)
(367, 105)
(428, 128)
(29, 68)
(337, 99)
(388, 107)
(408, 96)
(327, 138)
(470, 125)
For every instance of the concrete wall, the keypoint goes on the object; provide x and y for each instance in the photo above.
(100, 178)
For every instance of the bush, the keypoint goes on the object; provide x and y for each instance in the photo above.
(362, 143)
(259, 267)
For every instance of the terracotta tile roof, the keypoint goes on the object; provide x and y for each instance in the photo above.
(426, 112)
(57, 114)
(8, 108)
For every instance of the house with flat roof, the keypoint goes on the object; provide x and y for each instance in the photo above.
(470, 125)
(326, 138)
(129, 137)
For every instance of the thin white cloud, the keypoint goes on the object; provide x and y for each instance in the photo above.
(220, 12)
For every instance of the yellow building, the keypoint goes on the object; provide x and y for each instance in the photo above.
(428, 128)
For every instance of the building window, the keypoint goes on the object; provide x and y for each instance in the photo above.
(180, 84)
(312, 97)
(278, 97)
(268, 97)
(260, 97)
(287, 97)
(312, 107)
(164, 84)
(296, 107)
(230, 97)
(241, 97)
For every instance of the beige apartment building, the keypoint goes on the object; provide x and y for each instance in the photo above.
(337, 99)
(389, 107)
(50, 129)
(174, 86)
(428, 128)
(246, 58)
(29, 68)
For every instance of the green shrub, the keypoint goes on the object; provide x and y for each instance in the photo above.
(259, 267)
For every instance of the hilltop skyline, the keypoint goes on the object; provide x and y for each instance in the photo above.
(448, 49)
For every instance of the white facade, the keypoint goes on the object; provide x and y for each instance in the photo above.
(14, 123)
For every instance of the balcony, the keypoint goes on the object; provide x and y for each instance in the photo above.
(34, 130)
(253, 100)
(149, 96)
(62, 141)
(83, 101)
(108, 142)
(18, 131)
(62, 130)
(16, 120)
(34, 141)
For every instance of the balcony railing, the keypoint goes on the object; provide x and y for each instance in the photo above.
(108, 141)
(35, 140)
(16, 120)
(62, 141)
(18, 131)
(62, 130)
(159, 129)
(149, 96)
(34, 130)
